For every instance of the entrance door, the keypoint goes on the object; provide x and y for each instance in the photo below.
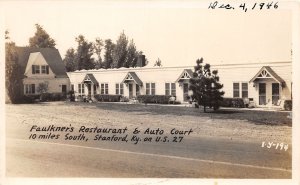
(64, 89)
(130, 87)
(275, 93)
(185, 91)
(262, 94)
(89, 86)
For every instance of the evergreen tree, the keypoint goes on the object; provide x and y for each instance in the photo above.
(69, 60)
(205, 86)
(132, 55)
(98, 46)
(41, 39)
(13, 75)
(120, 51)
(108, 55)
(84, 53)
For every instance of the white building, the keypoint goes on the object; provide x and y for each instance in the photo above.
(42, 66)
(264, 83)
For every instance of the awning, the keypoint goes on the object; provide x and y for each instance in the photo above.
(266, 72)
(90, 78)
(185, 75)
(132, 77)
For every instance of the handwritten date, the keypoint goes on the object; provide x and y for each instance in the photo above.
(277, 146)
(244, 6)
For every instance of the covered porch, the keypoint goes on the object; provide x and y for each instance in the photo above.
(268, 87)
(133, 84)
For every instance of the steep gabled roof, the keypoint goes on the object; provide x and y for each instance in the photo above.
(267, 72)
(90, 77)
(186, 74)
(133, 77)
(51, 56)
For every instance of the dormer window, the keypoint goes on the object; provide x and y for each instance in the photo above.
(35, 69)
(45, 69)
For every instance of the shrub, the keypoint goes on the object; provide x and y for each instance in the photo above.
(232, 102)
(71, 95)
(52, 97)
(288, 105)
(160, 99)
(124, 99)
(108, 97)
(29, 98)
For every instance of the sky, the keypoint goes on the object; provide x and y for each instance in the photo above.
(176, 32)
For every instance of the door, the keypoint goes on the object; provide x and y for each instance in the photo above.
(185, 91)
(64, 89)
(262, 94)
(89, 86)
(275, 93)
(130, 87)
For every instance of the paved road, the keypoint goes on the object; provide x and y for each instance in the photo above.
(194, 157)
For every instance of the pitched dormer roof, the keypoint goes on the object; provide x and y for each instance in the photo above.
(51, 56)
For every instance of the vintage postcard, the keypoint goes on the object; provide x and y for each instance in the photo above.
(150, 92)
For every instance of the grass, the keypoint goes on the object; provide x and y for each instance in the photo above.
(255, 117)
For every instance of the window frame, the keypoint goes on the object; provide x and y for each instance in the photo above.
(120, 88)
(234, 90)
(29, 88)
(104, 88)
(81, 88)
(151, 89)
(171, 89)
(245, 93)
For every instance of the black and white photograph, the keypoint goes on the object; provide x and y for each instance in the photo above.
(150, 90)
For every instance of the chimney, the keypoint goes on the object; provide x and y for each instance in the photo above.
(141, 62)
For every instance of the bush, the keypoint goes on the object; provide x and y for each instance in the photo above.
(232, 102)
(52, 97)
(160, 99)
(108, 97)
(288, 105)
(29, 98)
(71, 95)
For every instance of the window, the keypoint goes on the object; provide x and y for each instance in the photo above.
(81, 88)
(167, 89)
(170, 89)
(153, 88)
(45, 69)
(104, 88)
(275, 93)
(150, 88)
(244, 90)
(35, 69)
(236, 90)
(72, 87)
(29, 88)
(120, 89)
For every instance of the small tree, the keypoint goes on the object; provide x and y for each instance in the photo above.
(42, 88)
(158, 63)
(205, 86)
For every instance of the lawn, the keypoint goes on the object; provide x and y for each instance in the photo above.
(253, 116)
(242, 125)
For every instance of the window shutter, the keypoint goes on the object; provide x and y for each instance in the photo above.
(33, 69)
(47, 69)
